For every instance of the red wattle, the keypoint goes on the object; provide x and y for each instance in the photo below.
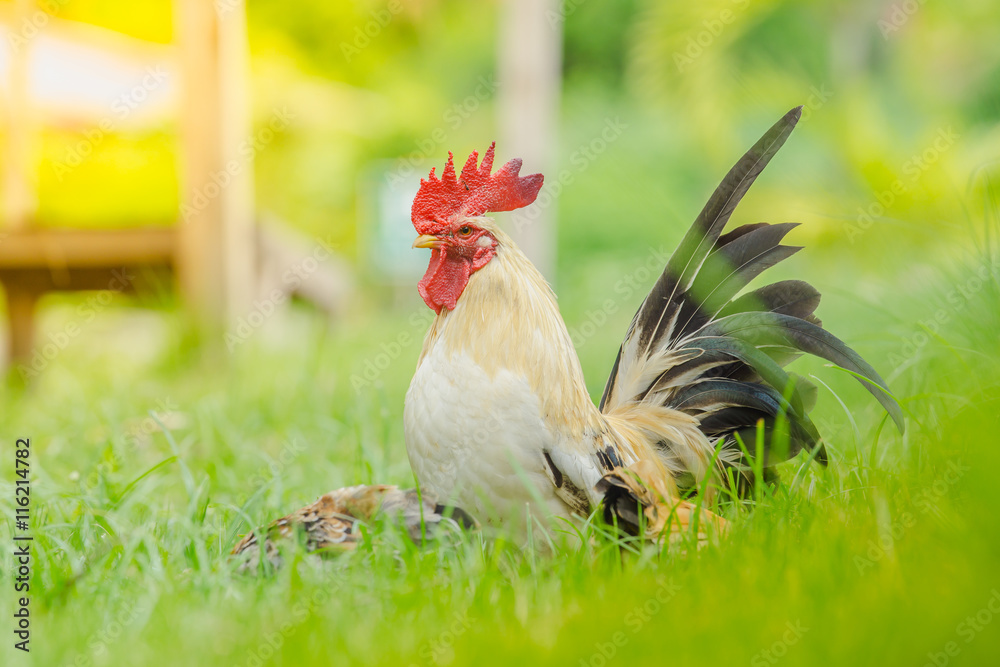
(446, 278)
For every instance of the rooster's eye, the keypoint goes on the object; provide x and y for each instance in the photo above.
(465, 231)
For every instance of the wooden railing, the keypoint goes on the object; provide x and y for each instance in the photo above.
(212, 250)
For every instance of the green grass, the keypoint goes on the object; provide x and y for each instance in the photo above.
(879, 559)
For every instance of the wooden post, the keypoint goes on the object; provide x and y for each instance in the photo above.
(215, 261)
(20, 201)
(21, 303)
(530, 61)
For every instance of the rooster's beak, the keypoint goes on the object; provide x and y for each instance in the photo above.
(427, 241)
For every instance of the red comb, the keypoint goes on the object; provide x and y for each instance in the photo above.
(473, 193)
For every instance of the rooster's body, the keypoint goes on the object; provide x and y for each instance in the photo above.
(497, 417)
(482, 408)
(498, 420)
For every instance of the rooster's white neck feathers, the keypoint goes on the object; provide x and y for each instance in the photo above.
(507, 319)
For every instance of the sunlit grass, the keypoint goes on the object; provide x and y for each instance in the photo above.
(877, 559)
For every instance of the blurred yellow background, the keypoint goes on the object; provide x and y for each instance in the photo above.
(900, 131)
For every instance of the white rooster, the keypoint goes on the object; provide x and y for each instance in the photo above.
(497, 416)
(498, 420)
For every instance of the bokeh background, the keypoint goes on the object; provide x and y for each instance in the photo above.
(160, 427)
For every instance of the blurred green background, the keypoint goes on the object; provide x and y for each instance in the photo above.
(893, 172)
(693, 83)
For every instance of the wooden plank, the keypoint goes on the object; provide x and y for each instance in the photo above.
(61, 248)
(120, 277)
(24, 286)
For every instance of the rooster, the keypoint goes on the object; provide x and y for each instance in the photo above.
(498, 418)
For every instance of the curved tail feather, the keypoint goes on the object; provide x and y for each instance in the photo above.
(698, 347)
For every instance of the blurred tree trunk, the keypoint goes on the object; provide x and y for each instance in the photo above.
(216, 252)
(530, 63)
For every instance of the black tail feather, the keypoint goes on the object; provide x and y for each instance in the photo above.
(724, 354)
(796, 298)
(658, 313)
(783, 330)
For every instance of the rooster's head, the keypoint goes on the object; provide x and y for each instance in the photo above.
(447, 214)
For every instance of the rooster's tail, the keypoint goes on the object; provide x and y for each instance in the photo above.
(697, 348)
